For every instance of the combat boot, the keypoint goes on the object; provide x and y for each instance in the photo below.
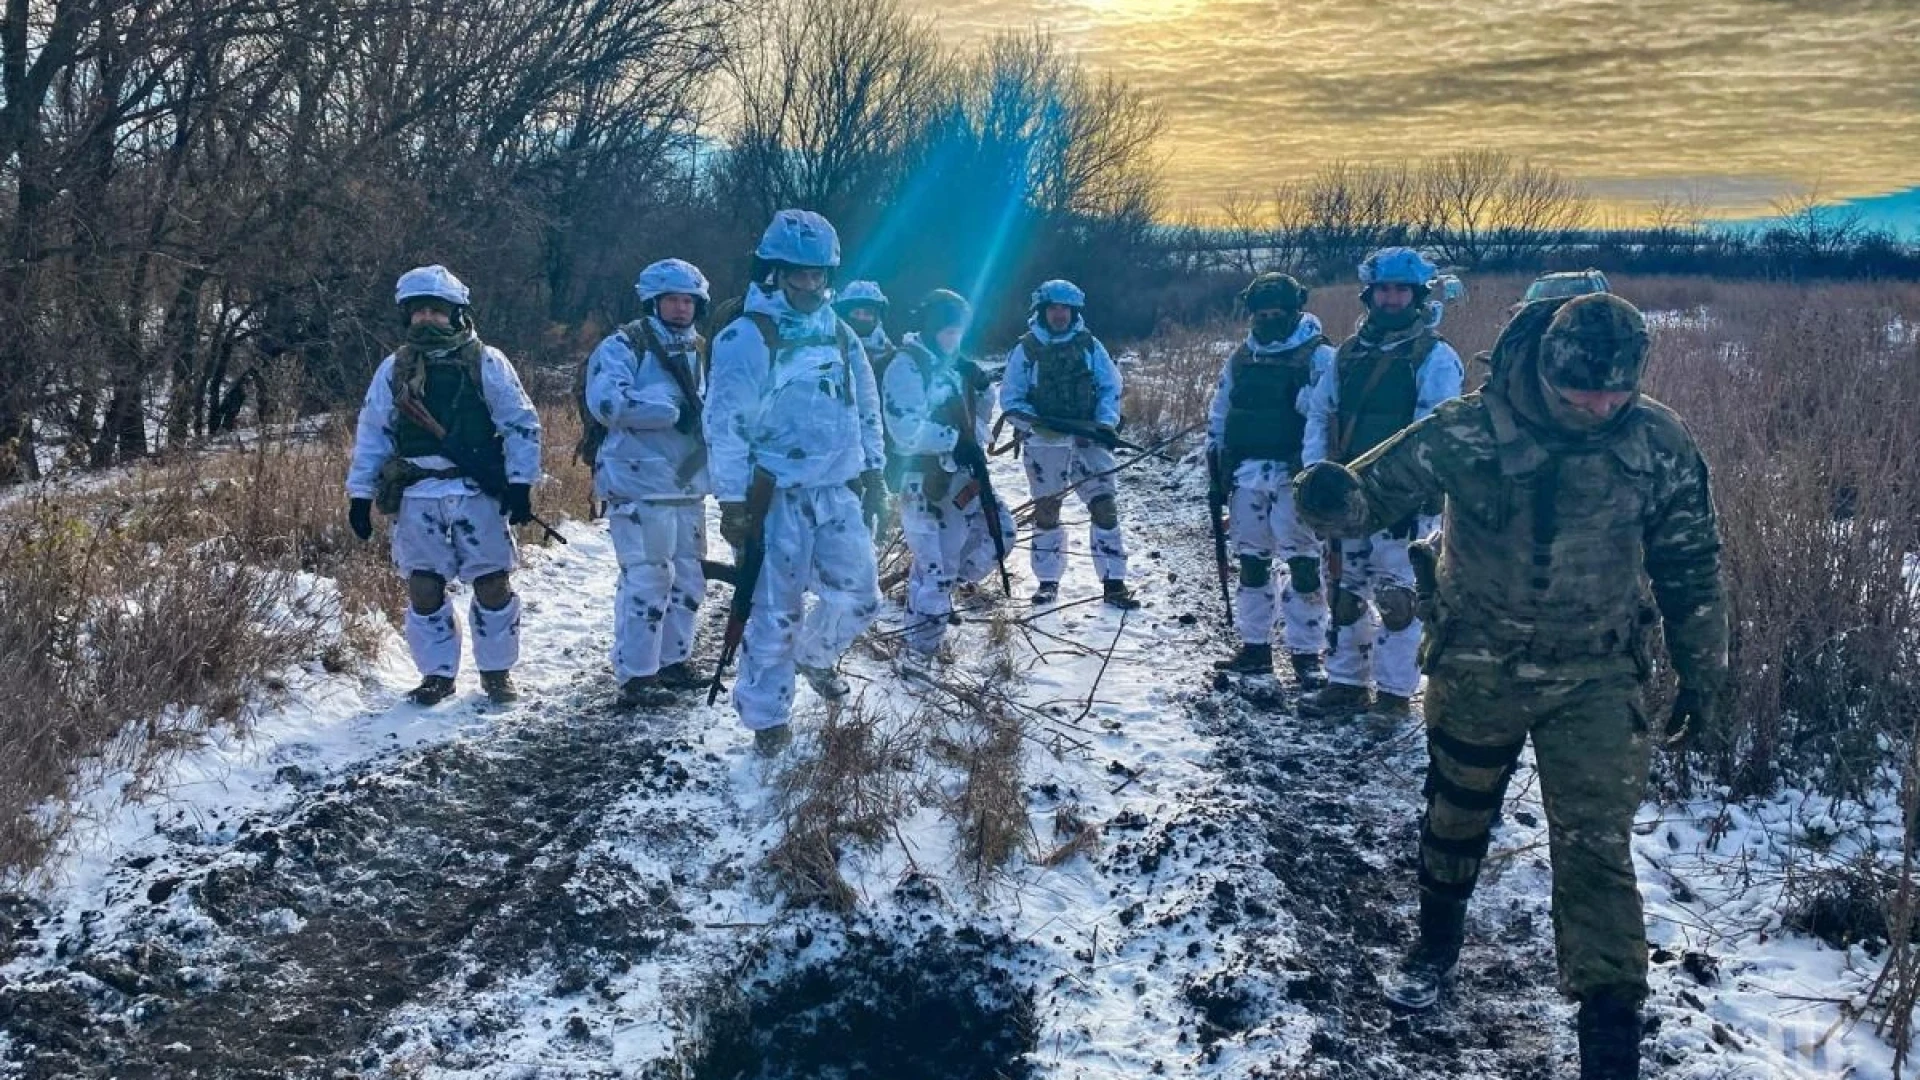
(1429, 965)
(1390, 708)
(432, 690)
(1336, 699)
(1609, 1031)
(645, 692)
(499, 687)
(680, 675)
(1048, 592)
(826, 682)
(1116, 594)
(768, 742)
(1308, 672)
(1252, 659)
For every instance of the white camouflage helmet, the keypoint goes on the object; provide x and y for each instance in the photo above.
(799, 238)
(860, 292)
(1059, 291)
(1396, 266)
(436, 281)
(672, 276)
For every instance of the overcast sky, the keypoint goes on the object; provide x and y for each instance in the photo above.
(1740, 101)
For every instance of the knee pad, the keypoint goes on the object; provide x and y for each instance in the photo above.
(1106, 512)
(494, 591)
(1347, 607)
(1305, 572)
(1396, 606)
(1255, 572)
(1046, 512)
(427, 593)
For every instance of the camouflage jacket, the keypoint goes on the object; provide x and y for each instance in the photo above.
(1552, 546)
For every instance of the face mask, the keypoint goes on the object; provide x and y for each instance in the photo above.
(863, 321)
(1271, 328)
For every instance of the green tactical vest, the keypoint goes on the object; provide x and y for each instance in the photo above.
(1062, 378)
(1264, 422)
(1368, 418)
(1545, 557)
(454, 396)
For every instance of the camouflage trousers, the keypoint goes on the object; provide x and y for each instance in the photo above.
(1589, 731)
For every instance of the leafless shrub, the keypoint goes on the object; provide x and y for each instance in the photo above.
(123, 653)
(847, 787)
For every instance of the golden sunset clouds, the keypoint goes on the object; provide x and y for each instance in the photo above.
(1737, 101)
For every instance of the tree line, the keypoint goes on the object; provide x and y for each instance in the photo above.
(1480, 209)
(205, 202)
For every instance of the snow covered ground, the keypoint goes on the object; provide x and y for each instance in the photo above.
(1208, 885)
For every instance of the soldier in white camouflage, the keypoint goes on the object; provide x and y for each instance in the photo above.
(1578, 516)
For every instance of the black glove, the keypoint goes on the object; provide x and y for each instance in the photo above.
(518, 504)
(733, 523)
(1326, 489)
(360, 517)
(874, 495)
(1692, 715)
(968, 455)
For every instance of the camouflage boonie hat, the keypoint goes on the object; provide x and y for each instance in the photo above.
(1274, 290)
(1595, 342)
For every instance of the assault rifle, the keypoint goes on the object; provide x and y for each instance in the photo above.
(1094, 433)
(746, 575)
(990, 505)
(487, 471)
(1217, 518)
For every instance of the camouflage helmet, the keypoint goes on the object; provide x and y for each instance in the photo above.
(860, 292)
(1595, 342)
(799, 238)
(1059, 291)
(1274, 290)
(942, 309)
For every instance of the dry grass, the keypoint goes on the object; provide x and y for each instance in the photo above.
(846, 788)
(150, 608)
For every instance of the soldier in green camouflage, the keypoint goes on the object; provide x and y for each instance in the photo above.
(1578, 515)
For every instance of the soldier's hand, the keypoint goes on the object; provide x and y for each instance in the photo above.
(1216, 484)
(1691, 717)
(518, 504)
(360, 518)
(733, 523)
(874, 495)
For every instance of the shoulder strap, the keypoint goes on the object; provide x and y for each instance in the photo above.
(1350, 410)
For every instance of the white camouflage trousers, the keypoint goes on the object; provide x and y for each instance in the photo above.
(1377, 637)
(457, 538)
(950, 544)
(1264, 525)
(659, 545)
(1053, 469)
(817, 543)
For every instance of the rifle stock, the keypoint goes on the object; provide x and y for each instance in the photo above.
(746, 576)
(1217, 486)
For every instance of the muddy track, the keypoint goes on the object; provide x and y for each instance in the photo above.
(464, 863)
(1332, 811)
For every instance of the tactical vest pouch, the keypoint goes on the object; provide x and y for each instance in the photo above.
(396, 476)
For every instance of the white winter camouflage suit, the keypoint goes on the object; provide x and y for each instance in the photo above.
(653, 478)
(1262, 521)
(445, 526)
(1058, 463)
(1366, 651)
(940, 507)
(812, 421)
